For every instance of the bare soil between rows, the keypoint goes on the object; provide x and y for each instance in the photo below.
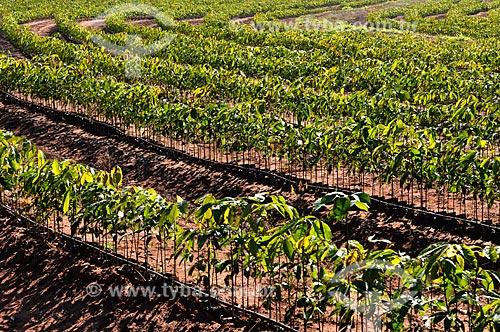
(7, 48)
(43, 288)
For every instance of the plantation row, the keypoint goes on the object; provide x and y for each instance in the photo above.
(257, 240)
(446, 109)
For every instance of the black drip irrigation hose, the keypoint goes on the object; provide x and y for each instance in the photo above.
(118, 258)
(247, 172)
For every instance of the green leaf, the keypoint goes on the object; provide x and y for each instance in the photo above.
(288, 249)
(361, 206)
(253, 247)
(469, 255)
(66, 200)
(363, 197)
(86, 178)
(41, 159)
(55, 168)
(5, 183)
(491, 253)
(327, 232)
(341, 208)
(116, 177)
